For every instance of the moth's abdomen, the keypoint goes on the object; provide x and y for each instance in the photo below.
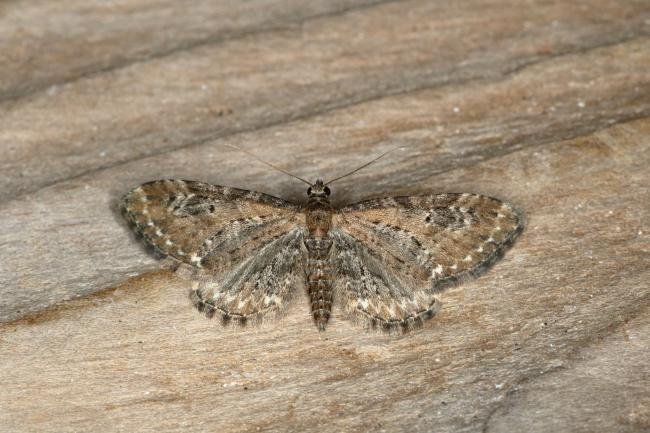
(319, 285)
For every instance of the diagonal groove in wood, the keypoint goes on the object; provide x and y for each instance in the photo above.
(588, 342)
(12, 96)
(361, 99)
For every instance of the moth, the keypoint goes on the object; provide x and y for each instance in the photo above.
(380, 262)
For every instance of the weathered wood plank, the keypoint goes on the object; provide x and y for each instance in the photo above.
(78, 246)
(46, 43)
(531, 102)
(139, 358)
(271, 77)
(613, 375)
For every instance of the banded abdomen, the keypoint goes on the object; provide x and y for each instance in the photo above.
(319, 285)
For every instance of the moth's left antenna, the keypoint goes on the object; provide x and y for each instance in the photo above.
(232, 146)
(366, 164)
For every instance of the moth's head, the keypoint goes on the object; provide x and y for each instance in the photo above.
(318, 189)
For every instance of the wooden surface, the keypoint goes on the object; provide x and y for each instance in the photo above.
(543, 103)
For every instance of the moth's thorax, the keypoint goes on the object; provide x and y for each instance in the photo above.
(318, 216)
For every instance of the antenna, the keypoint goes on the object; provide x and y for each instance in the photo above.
(232, 146)
(367, 164)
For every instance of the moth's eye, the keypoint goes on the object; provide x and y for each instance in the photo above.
(309, 191)
(327, 191)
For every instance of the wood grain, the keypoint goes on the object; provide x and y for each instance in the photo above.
(542, 103)
(95, 121)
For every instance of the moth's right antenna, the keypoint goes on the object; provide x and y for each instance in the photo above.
(367, 164)
(264, 162)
